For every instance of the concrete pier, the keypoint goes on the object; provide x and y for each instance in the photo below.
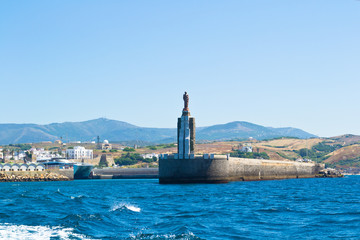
(222, 169)
(126, 173)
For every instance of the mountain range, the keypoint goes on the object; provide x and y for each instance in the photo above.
(117, 131)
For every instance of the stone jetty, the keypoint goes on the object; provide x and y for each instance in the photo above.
(36, 177)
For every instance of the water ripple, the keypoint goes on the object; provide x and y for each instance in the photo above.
(143, 209)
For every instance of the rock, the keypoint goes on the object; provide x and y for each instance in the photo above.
(329, 173)
(46, 176)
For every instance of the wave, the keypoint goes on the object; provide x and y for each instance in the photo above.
(10, 231)
(183, 236)
(59, 193)
(122, 206)
(78, 197)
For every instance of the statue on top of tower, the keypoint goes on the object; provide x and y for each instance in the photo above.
(186, 102)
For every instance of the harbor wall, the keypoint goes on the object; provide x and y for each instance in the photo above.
(65, 172)
(69, 173)
(222, 169)
(126, 173)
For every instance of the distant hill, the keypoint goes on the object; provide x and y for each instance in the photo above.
(346, 139)
(243, 130)
(114, 130)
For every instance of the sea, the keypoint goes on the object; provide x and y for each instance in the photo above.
(317, 208)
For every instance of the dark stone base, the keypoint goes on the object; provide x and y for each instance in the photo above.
(190, 181)
(223, 170)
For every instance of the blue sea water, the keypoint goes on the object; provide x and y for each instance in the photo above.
(144, 209)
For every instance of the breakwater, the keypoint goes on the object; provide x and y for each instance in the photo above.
(126, 173)
(35, 176)
(222, 169)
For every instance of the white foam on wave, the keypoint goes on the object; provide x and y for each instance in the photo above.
(186, 236)
(10, 231)
(125, 205)
(77, 197)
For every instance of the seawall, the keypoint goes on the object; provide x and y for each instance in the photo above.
(126, 173)
(46, 175)
(223, 169)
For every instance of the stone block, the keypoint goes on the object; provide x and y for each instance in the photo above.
(176, 156)
(192, 156)
(212, 156)
(206, 156)
(186, 156)
(181, 156)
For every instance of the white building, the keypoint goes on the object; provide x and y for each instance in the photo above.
(42, 154)
(149, 155)
(19, 155)
(106, 145)
(7, 167)
(79, 152)
(246, 148)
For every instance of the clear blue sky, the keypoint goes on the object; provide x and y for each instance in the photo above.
(275, 63)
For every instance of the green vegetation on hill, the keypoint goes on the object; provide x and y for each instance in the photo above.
(355, 163)
(128, 149)
(22, 146)
(132, 158)
(326, 148)
(318, 152)
(161, 146)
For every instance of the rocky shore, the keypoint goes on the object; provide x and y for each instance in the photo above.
(44, 176)
(329, 173)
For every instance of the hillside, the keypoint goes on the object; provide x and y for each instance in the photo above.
(244, 130)
(346, 139)
(340, 152)
(118, 131)
(289, 144)
(348, 156)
